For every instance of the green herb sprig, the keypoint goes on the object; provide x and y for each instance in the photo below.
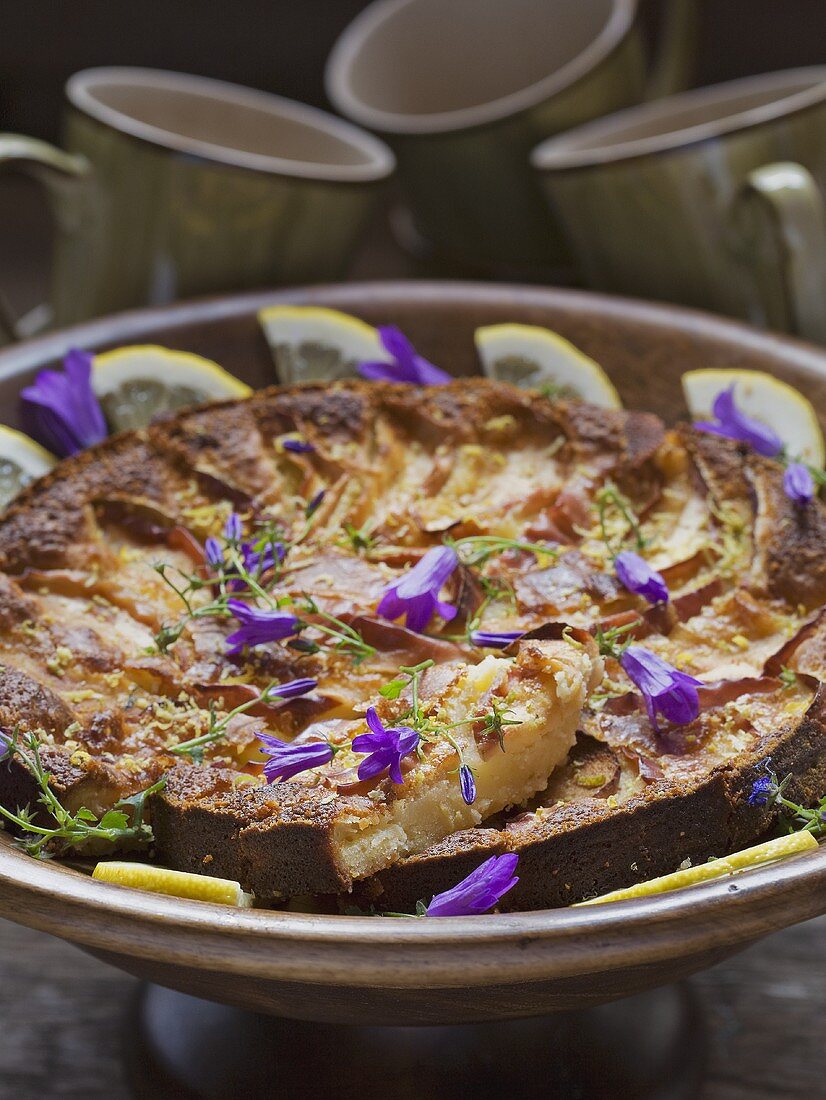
(124, 826)
(609, 497)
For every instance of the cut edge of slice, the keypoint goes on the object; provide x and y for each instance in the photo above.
(535, 357)
(178, 884)
(333, 342)
(766, 398)
(769, 852)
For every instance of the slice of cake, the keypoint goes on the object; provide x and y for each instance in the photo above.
(512, 719)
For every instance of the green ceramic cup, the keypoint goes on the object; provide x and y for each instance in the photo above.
(178, 185)
(713, 198)
(463, 89)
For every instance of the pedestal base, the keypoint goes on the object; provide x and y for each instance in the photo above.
(650, 1046)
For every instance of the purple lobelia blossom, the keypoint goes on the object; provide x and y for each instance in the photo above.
(258, 626)
(638, 577)
(665, 690)
(314, 504)
(387, 747)
(416, 593)
(233, 528)
(214, 553)
(5, 743)
(292, 688)
(286, 759)
(467, 784)
(406, 364)
(480, 891)
(493, 639)
(298, 446)
(734, 424)
(798, 483)
(258, 561)
(67, 414)
(762, 790)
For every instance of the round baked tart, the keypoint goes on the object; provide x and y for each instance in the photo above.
(347, 641)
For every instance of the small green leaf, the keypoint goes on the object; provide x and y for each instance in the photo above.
(393, 689)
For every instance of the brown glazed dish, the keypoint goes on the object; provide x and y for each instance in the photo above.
(322, 967)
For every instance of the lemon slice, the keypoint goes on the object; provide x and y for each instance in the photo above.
(21, 461)
(767, 399)
(536, 358)
(769, 852)
(136, 383)
(312, 344)
(179, 884)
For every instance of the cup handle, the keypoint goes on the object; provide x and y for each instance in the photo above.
(779, 221)
(52, 169)
(673, 63)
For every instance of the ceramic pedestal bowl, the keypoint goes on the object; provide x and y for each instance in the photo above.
(348, 970)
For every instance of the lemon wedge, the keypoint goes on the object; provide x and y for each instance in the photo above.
(767, 399)
(179, 884)
(136, 383)
(311, 343)
(536, 358)
(769, 852)
(21, 461)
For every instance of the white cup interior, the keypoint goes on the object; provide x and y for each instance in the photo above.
(404, 65)
(684, 119)
(229, 123)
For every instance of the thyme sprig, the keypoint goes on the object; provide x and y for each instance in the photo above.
(609, 497)
(218, 727)
(429, 729)
(243, 574)
(345, 638)
(123, 826)
(614, 641)
(478, 549)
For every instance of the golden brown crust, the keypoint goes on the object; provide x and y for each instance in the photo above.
(467, 458)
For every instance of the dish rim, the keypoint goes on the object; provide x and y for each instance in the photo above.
(358, 951)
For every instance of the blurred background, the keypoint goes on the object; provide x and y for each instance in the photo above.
(64, 1030)
(281, 46)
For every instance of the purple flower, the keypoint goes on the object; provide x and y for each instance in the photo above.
(259, 626)
(259, 561)
(314, 503)
(734, 424)
(233, 527)
(480, 891)
(638, 577)
(5, 744)
(491, 639)
(467, 784)
(761, 791)
(298, 446)
(387, 748)
(256, 561)
(416, 593)
(664, 689)
(798, 483)
(214, 553)
(406, 365)
(292, 688)
(67, 413)
(288, 759)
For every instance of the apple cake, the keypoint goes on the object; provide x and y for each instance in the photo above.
(352, 638)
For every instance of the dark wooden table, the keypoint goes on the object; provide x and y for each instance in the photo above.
(62, 1013)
